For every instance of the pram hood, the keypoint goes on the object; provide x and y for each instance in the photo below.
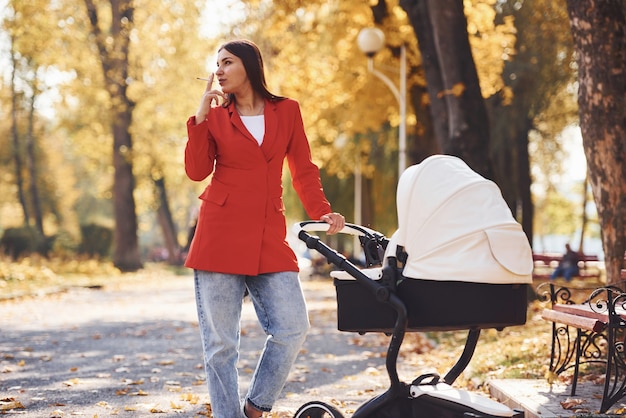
(455, 226)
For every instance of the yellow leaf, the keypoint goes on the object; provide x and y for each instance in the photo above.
(456, 90)
(72, 382)
(551, 377)
(140, 393)
(10, 403)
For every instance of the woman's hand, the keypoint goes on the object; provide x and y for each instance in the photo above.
(207, 100)
(335, 220)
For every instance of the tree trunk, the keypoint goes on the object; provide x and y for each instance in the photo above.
(458, 109)
(599, 32)
(424, 143)
(166, 222)
(126, 251)
(584, 220)
(32, 166)
(113, 51)
(17, 157)
(525, 211)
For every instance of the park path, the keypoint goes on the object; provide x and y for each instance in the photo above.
(133, 349)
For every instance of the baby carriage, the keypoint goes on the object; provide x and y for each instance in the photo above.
(458, 261)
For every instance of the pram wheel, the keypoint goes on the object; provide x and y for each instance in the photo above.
(317, 410)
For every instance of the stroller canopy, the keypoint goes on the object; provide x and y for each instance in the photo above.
(455, 226)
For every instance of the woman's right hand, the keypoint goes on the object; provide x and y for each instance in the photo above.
(207, 100)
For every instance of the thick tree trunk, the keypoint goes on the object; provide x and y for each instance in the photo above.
(113, 50)
(599, 32)
(126, 251)
(458, 109)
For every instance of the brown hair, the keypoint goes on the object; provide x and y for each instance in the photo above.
(250, 56)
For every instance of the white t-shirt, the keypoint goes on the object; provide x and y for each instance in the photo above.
(256, 126)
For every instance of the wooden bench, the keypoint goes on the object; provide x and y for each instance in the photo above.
(576, 320)
(544, 265)
(591, 331)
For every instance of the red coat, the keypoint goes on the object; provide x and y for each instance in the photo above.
(241, 225)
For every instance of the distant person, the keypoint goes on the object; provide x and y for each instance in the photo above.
(568, 266)
(239, 243)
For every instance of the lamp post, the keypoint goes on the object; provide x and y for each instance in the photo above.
(370, 41)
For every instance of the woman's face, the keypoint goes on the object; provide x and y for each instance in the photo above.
(231, 73)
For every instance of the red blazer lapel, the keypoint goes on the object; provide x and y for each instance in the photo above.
(235, 119)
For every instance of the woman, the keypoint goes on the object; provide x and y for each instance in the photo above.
(239, 241)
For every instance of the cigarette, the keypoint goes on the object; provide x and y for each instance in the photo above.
(200, 78)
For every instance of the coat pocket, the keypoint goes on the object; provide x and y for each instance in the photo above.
(215, 194)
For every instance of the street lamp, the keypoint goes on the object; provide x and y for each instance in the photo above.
(370, 41)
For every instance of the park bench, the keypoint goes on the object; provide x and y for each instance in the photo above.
(588, 332)
(544, 265)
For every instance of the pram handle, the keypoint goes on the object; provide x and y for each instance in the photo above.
(321, 226)
(373, 242)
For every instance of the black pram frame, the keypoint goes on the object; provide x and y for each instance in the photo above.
(399, 400)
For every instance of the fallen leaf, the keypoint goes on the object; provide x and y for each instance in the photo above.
(137, 382)
(192, 398)
(570, 403)
(72, 382)
(10, 403)
(140, 393)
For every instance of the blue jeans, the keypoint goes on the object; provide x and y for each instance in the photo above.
(281, 310)
(566, 272)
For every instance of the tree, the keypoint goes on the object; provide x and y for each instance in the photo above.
(17, 155)
(599, 32)
(162, 59)
(535, 102)
(457, 106)
(113, 48)
(28, 67)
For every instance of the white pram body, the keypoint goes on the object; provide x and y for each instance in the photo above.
(467, 260)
